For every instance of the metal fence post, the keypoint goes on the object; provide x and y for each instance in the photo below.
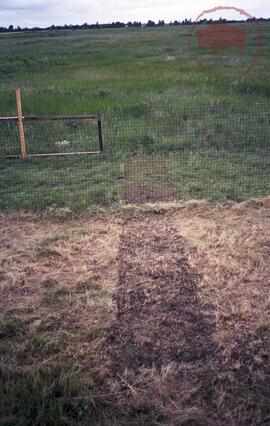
(100, 134)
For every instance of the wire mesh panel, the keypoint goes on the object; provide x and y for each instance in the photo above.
(76, 182)
(167, 146)
(207, 146)
(9, 139)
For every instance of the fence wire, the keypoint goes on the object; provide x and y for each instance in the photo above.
(163, 147)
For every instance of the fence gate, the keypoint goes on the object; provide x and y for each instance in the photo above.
(83, 134)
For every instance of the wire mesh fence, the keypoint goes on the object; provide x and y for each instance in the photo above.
(157, 147)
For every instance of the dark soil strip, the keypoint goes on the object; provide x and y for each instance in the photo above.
(147, 180)
(160, 316)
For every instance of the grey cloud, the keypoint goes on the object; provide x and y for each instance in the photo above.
(48, 12)
(21, 5)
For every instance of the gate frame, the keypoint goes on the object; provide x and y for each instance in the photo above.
(20, 119)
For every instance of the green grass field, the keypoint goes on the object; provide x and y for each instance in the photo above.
(212, 129)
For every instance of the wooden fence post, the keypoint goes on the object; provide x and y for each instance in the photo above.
(20, 123)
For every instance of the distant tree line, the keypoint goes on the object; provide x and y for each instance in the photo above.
(135, 24)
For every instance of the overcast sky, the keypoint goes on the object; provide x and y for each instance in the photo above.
(48, 12)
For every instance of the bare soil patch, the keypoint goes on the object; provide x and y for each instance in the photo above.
(147, 180)
(160, 315)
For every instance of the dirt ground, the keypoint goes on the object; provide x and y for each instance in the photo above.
(150, 315)
(158, 296)
(147, 180)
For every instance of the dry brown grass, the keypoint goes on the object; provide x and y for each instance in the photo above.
(58, 280)
(230, 249)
